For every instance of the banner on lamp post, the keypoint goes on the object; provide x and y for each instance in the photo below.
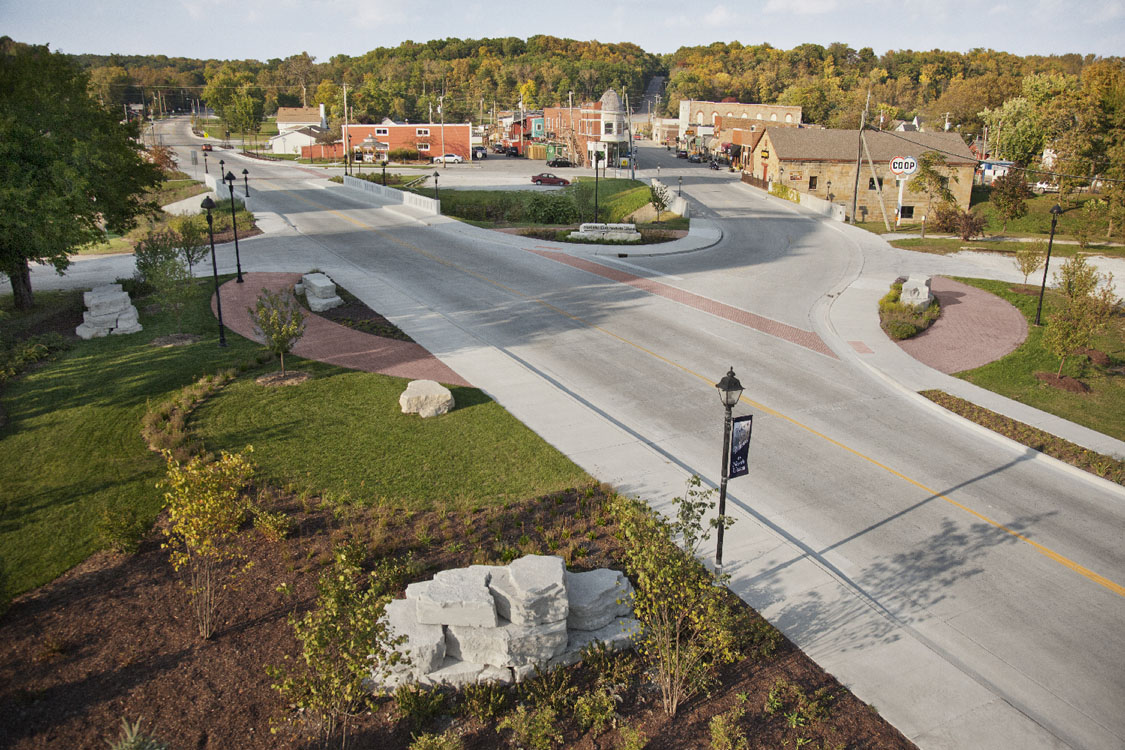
(740, 445)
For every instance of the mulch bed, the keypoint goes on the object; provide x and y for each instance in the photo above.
(1063, 382)
(355, 314)
(114, 638)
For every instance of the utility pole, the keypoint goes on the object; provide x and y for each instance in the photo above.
(629, 135)
(441, 111)
(859, 157)
(345, 138)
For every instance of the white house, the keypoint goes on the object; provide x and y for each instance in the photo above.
(291, 141)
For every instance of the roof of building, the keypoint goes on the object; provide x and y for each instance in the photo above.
(611, 102)
(312, 131)
(840, 145)
(298, 114)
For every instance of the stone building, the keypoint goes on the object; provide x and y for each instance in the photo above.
(595, 126)
(694, 115)
(822, 163)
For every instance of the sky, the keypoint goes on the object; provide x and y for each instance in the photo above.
(264, 29)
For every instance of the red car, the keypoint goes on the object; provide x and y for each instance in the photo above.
(546, 178)
(206, 147)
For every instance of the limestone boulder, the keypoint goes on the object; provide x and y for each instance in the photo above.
(456, 673)
(98, 291)
(916, 292)
(531, 590)
(320, 304)
(318, 285)
(87, 331)
(426, 398)
(618, 635)
(424, 647)
(508, 644)
(454, 597)
(597, 597)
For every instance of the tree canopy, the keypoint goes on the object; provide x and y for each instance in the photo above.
(69, 170)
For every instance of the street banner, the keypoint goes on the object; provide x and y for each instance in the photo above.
(740, 445)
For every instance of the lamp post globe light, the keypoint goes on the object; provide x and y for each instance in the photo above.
(229, 179)
(207, 205)
(205, 169)
(246, 181)
(1055, 212)
(437, 195)
(222, 169)
(730, 390)
(680, 185)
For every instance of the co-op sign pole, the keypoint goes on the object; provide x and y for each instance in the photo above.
(902, 167)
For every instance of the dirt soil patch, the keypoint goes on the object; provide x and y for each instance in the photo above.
(276, 379)
(1099, 358)
(355, 314)
(113, 638)
(175, 339)
(1063, 383)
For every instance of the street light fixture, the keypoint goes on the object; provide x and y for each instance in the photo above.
(730, 390)
(205, 169)
(207, 205)
(246, 181)
(229, 179)
(437, 195)
(680, 185)
(1055, 211)
(384, 172)
(222, 169)
(597, 158)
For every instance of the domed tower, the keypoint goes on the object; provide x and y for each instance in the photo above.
(613, 125)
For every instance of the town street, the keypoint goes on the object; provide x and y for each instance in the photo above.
(967, 588)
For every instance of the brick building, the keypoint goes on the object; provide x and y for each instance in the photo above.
(373, 143)
(596, 126)
(822, 163)
(694, 114)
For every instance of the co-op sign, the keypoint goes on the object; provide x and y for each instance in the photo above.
(904, 166)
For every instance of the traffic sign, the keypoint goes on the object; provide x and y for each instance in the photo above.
(904, 166)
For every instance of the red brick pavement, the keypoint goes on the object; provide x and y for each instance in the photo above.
(330, 342)
(975, 328)
(789, 333)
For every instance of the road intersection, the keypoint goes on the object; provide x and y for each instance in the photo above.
(967, 587)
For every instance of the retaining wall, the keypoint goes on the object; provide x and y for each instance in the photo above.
(391, 195)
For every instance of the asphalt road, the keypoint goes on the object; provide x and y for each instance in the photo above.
(972, 593)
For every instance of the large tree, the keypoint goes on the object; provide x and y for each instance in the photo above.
(69, 169)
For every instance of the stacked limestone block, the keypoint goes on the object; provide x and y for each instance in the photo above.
(320, 292)
(108, 310)
(497, 623)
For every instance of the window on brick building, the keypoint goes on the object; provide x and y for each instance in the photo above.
(871, 183)
(381, 131)
(812, 183)
(907, 212)
(421, 131)
(423, 147)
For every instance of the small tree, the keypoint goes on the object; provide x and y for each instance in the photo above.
(930, 181)
(280, 320)
(190, 240)
(1029, 258)
(206, 506)
(344, 642)
(1088, 307)
(658, 195)
(1009, 196)
(161, 263)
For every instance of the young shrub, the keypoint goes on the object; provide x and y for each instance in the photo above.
(190, 240)
(418, 705)
(484, 701)
(120, 530)
(685, 634)
(659, 198)
(206, 506)
(1089, 306)
(132, 739)
(343, 643)
(631, 738)
(550, 688)
(726, 732)
(273, 525)
(446, 741)
(278, 317)
(535, 729)
(597, 710)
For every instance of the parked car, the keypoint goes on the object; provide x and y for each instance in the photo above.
(556, 163)
(512, 151)
(206, 147)
(546, 178)
(695, 159)
(1045, 187)
(681, 154)
(480, 152)
(499, 148)
(447, 158)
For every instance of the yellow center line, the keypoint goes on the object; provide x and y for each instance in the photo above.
(1046, 551)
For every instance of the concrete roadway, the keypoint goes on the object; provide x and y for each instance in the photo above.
(968, 590)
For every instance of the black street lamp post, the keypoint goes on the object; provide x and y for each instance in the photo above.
(437, 195)
(246, 181)
(207, 205)
(679, 185)
(384, 172)
(229, 179)
(222, 169)
(1055, 211)
(597, 158)
(205, 169)
(730, 390)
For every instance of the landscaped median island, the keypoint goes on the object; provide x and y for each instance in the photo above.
(287, 519)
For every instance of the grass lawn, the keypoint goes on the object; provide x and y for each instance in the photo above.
(1102, 409)
(946, 245)
(72, 447)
